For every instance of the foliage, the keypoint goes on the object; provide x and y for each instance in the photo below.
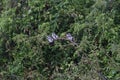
(25, 52)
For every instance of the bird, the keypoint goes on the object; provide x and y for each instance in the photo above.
(50, 39)
(54, 36)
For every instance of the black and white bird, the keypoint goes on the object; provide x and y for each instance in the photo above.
(50, 39)
(54, 36)
(69, 37)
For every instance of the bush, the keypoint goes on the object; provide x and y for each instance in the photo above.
(25, 52)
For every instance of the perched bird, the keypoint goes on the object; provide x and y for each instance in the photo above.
(54, 36)
(50, 39)
(69, 37)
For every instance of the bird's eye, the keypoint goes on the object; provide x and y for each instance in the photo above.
(54, 36)
(69, 37)
(50, 39)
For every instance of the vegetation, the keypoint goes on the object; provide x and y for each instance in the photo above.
(26, 54)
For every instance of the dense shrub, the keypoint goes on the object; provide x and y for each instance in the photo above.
(26, 54)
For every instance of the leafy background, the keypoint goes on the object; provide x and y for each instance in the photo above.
(25, 54)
